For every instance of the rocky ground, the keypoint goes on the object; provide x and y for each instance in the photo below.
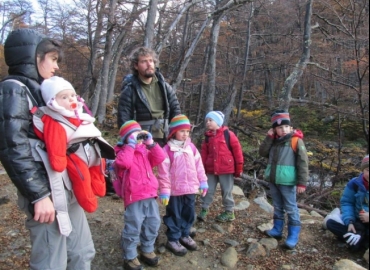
(239, 244)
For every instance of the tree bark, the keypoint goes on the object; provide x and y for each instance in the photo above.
(150, 22)
(286, 93)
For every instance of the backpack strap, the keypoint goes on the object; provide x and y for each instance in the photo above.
(294, 143)
(227, 139)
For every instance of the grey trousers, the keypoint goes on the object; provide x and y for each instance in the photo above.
(227, 183)
(50, 249)
(142, 222)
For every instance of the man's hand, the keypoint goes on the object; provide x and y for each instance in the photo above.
(44, 211)
(364, 217)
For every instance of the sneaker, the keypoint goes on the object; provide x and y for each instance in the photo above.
(132, 265)
(226, 216)
(203, 214)
(189, 243)
(150, 259)
(176, 248)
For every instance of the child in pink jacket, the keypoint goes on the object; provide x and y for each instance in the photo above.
(181, 176)
(136, 155)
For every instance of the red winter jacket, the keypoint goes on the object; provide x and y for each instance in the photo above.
(216, 156)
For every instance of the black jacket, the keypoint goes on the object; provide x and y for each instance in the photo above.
(16, 126)
(133, 104)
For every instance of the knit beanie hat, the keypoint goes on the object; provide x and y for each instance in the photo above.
(279, 118)
(127, 128)
(51, 87)
(179, 122)
(365, 163)
(216, 116)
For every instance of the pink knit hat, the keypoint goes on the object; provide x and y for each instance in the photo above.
(127, 128)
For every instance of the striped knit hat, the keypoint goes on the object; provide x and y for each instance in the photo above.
(279, 118)
(179, 122)
(127, 128)
(216, 116)
(365, 163)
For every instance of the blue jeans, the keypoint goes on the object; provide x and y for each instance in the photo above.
(180, 216)
(285, 201)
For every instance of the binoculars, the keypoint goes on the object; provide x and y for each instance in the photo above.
(142, 136)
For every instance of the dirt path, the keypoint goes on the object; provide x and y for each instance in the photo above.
(317, 249)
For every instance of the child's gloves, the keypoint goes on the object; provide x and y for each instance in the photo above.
(353, 238)
(149, 139)
(238, 169)
(164, 198)
(132, 141)
(203, 188)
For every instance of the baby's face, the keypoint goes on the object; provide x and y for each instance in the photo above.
(67, 99)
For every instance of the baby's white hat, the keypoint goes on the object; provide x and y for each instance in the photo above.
(51, 87)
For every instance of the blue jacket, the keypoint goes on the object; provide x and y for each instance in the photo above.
(354, 199)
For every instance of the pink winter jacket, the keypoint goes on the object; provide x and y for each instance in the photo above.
(135, 169)
(182, 171)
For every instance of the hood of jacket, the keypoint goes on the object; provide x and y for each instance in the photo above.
(298, 133)
(20, 53)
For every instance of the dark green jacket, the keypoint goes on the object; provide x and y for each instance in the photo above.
(285, 167)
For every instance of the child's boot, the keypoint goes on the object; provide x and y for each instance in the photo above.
(277, 231)
(189, 243)
(150, 259)
(176, 248)
(203, 214)
(132, 265)
(226, 216)
(293, 236)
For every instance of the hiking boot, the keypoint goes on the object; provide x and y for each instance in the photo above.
(150, 259)
(203, 214)
(132, 265)
(176, 248)
(189, 243)
(226, 216)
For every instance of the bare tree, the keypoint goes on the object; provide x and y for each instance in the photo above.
(302, 64)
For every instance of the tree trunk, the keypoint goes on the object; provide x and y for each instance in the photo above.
(301, 65)
(246, 60)
(106, 63)
(150, 22)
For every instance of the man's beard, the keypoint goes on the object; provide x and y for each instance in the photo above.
(149, 74)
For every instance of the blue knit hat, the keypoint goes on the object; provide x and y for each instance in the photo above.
(216, 116)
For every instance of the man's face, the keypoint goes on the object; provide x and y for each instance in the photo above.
(145, 66)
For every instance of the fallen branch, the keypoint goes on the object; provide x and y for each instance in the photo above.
(309, 208)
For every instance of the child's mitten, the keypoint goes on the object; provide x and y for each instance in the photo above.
(238, 170)
(132, 141)
(164, 198)
(149, 138)
(203, 188)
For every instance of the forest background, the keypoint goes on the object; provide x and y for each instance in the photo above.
(243, 57)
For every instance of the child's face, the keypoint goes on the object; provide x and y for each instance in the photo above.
(366, 174)
(211, 125)
(283, 130)
(182, 135)
(67, 99)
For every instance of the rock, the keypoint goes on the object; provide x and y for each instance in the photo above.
(206, 242)
(256, 250)
(252, 240)
(193, 262)
(345, 264)
(243, 205)
(232, 243)
(201, 230)
(286, 267)
(269, 243)
(218, 228)
(265, 227)
(315, 214)
(310, 221)
(303, 212)
(229, 258)
(366, 256)
(264, 204)
(238, 191)
(161, 249)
